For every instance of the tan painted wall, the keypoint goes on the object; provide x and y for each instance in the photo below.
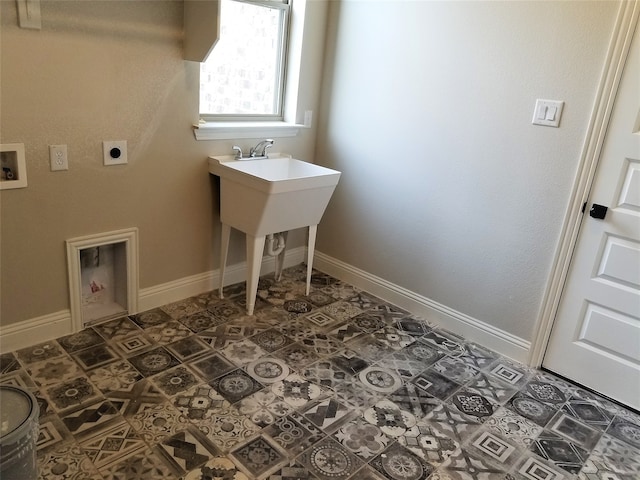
(444, 91)
(110, 70)
(447, 189)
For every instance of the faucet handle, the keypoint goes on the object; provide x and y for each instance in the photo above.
(238, 151)
(260, 149)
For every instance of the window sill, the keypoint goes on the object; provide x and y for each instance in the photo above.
(233, 130)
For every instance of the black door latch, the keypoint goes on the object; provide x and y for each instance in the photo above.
(598, 211)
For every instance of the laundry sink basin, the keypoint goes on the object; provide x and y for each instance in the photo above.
(272, 195)
(277, 174)
(268, 196)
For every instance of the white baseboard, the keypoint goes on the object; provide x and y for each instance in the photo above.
(441, 315)
(41, 329)
(170, 292)
(36, 330)
(48, 327)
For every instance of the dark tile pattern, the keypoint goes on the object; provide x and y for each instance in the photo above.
(154, 361)
(187, 450)
(560, 451)
(337, 385)
(259, 456)
(8, 363)
(236, 385)
(436, 384)
(81, 340)
(399, 462)
(176, 380)
(294, 433)
(531, 409)
(328, 459)
(626, 431)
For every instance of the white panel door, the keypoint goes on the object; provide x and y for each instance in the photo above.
(595, 339)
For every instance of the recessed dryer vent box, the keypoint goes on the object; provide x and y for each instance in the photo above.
(103, 276)
(13, 169)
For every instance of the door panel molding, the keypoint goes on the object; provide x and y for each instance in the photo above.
(629, 190)
(626, 23)
(618, 252)
(597, 321)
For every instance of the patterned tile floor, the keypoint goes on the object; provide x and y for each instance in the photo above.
(332, 386)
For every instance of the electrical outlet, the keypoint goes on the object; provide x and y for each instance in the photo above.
(115, 152)
(58, 157)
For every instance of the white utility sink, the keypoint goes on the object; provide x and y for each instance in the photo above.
(273, 195)
(276, 174)
(267, 196)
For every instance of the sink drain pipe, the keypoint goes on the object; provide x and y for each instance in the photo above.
(275, 244)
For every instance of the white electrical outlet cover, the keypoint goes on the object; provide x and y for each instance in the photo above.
(58, 157)
(114, 152)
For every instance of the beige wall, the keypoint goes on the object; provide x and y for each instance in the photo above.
(447, 189)
(109, 70)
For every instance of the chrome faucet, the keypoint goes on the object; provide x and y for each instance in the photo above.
(260, 150)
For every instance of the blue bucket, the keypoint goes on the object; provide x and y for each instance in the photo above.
(18, 434)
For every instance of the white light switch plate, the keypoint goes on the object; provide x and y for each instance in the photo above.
(547, 112)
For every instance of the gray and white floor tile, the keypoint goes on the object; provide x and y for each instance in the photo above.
(362, 438)
(336, 385)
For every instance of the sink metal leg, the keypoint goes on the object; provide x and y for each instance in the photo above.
(255, 248)
(311, 247)
(224, 248)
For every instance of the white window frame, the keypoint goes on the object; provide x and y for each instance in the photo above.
(280, 82)
(219, 127)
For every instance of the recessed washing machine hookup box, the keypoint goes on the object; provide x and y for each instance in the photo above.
(13, 168)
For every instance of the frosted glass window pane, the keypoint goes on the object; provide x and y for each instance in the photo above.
(242, 75)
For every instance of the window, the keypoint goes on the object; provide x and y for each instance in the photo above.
(272, 111)
(244, 76)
